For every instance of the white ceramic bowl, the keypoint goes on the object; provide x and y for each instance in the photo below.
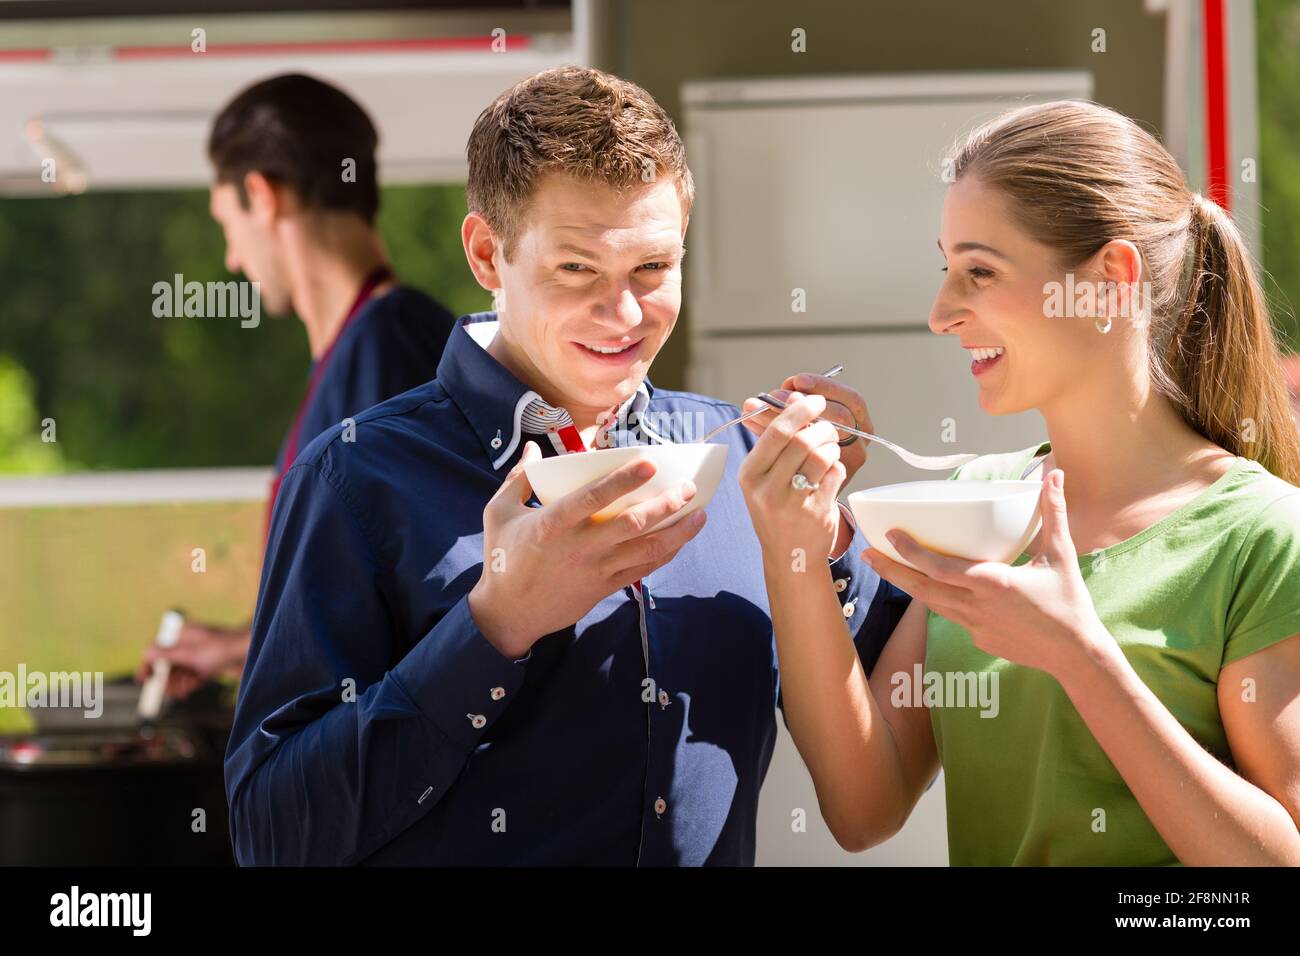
(553, 478)
(976, 520)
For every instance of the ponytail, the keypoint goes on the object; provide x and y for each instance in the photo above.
(1221, 356)
(1079, 174)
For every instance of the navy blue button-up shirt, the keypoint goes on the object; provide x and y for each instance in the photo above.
(376, 724)
(394, 344)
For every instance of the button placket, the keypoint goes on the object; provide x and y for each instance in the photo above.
(641, 597)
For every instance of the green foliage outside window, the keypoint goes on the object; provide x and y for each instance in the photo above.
(79, 342)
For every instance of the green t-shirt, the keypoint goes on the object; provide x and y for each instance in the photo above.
(1214, 581)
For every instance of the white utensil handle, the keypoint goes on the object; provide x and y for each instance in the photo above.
(151, 694)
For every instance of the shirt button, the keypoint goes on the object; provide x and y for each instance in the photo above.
(660, 806)
(498, 693)
(478, 720)
(841, 584)
(848, 609)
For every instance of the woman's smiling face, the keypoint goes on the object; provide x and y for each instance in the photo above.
(994, 297)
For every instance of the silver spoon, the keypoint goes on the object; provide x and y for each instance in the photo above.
(927, 462)
(829, 373)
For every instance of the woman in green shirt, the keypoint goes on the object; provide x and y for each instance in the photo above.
(1131, 683)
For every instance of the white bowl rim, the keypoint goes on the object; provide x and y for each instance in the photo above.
(1032, 486)
(631, 449)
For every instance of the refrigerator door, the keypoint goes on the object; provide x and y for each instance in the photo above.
(812, 242)
(818, 202)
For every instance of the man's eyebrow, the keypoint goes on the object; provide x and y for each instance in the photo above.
(666, 252)
(972, 247)
(577, 250)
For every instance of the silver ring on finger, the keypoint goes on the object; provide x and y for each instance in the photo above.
(800, 482)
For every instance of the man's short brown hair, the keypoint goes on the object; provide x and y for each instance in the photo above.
(300, 131)
(583, 122)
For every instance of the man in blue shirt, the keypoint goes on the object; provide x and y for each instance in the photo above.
(305, 232)
(442, 674)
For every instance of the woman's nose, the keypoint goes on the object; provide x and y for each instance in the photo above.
(946, 315)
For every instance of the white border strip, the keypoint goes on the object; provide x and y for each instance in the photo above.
(161, 486)
(774, 90)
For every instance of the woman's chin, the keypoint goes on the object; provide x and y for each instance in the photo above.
(992, 403)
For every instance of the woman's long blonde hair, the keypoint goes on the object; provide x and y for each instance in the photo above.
(1079, 175)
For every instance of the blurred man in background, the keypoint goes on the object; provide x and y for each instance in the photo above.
(296, 193)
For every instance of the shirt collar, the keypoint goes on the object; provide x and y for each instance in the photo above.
(630, 424)
(493, 400)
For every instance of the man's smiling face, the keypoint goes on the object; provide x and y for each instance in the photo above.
(591, 290)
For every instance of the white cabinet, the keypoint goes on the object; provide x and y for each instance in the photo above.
(923, 841)
(831, 188)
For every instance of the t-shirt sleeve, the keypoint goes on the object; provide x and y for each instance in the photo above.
(1265, 605)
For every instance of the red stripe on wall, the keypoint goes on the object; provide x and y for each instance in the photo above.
(20, 56)
(476, 44)
(1216, 103)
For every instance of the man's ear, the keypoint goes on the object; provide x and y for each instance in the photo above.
(481, 245)
(267, 201)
